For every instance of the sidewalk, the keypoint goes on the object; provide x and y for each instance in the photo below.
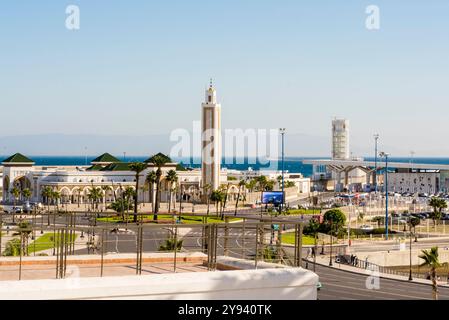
(324, 261)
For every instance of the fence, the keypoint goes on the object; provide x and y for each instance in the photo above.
(75, 245)
(363, 264)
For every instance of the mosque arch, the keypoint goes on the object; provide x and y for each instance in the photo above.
(66, 195)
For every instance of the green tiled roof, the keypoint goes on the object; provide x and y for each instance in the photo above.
(105, 158)
(95, 167)
(119, 166)
(18, 158)
(166, 158)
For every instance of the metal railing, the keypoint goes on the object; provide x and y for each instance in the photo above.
(105, 249)
(363, 264)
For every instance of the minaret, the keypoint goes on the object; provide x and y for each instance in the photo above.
(211, 140)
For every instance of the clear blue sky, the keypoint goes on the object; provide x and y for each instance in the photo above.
(140, 67)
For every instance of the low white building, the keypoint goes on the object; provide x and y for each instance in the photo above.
(74, 183)
(302, 183)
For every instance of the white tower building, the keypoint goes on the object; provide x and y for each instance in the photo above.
(340, 139)
(211, 140)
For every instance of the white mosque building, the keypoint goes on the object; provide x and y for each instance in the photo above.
(113, 176)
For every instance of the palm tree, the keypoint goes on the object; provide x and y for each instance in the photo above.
(15, 192)
(159, 160)
(431, 260)
(137, 168)
(314, 227)
(24, 231)
(105, 192)
(217, 197)
(151, 180)
(279, 180)
(262, 184)
(129, 194)
(56, 195)
(251, 185)
(438, 205)
(224, 191)
(95, 195)
(171, 178)
(206, 190)
(241, 185)
(26, 193)
(47, 193)
(414, 221)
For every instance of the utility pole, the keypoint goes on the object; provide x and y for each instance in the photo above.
(385, 155)
(410, 278)
(282, 131)
(376, 137)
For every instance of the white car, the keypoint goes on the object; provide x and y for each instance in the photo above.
(366, 228)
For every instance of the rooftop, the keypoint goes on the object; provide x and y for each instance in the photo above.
(17, 158)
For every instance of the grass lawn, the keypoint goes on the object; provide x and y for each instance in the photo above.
(44, 242)
(304, 211)
(186, 219)
(289, 238)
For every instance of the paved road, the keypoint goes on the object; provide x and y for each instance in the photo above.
(343, 285)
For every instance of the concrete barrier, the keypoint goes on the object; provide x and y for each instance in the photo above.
(262, 284)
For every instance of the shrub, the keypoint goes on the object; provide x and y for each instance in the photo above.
(381, 231)
(170, 245)
(12, 248)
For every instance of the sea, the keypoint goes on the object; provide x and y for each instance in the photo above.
(291, 164)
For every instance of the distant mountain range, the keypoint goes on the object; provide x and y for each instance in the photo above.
(298, 145)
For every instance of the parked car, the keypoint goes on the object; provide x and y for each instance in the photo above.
(366, 227)
(11, 209)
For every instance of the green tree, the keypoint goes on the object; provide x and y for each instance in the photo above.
(431, 260)
(334, 219)
(379, 219)
(95, 195)
(251, 185)
(414, 221)
(217, 197)
(151, 180)
(105, 190)
(12, 248)
(206, 190)
(270, 185)
(171, 178)
(15, 192)
(241, 186)
(119, 205)
(23, 231)
(26, 193)
(438, 205)
(159, 160)
(56, 195)
(137, 168)
(128, 195)
(47, 194)
(170, 245)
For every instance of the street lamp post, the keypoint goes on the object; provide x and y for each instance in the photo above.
(282, 131)
(376, 137)
(410, 278)
(330, 256)
(385, 155)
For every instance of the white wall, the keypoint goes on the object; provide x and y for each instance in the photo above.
(265, 284)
